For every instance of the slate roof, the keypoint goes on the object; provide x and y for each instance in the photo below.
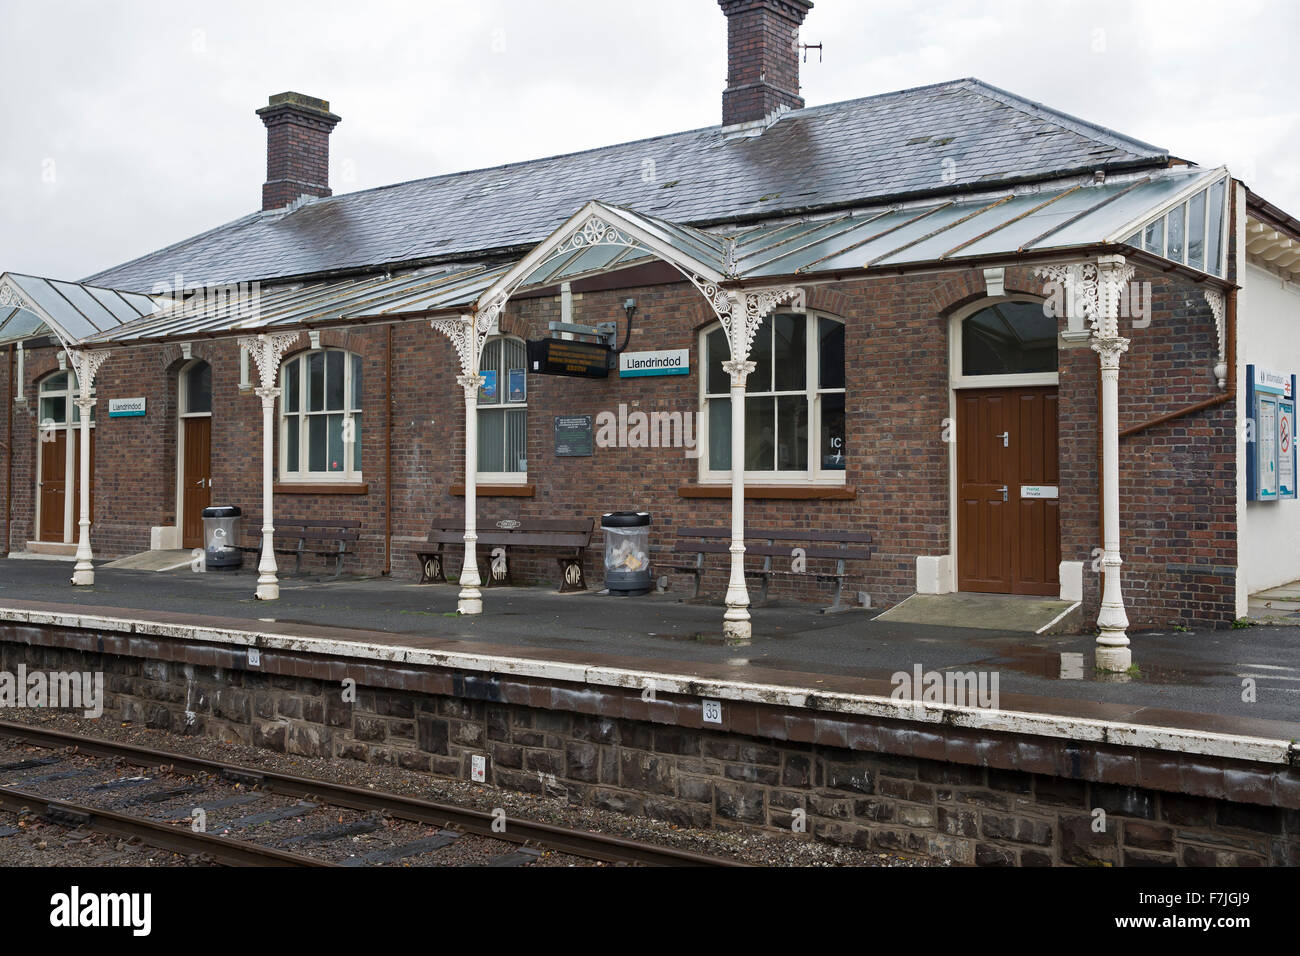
(882, 148)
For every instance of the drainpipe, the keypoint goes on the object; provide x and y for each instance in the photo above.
(388, 454)
(9, 452)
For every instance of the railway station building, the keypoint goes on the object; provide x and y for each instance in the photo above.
(1027, 354)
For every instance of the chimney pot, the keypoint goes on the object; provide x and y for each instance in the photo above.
(762, 58)
(298, 131)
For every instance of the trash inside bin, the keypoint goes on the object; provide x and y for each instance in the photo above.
(627, 552)
(220, 532)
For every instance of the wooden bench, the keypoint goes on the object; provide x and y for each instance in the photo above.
(572, 536)
(837, 546)
(332, 538)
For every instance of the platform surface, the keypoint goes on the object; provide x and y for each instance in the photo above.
(1192, 678)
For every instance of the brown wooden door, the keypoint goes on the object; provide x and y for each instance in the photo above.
(53, 482)
(196, 479)
(1008, 528)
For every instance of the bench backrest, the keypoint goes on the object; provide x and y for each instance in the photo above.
(712, 542)
(543, 532)
(313, 529)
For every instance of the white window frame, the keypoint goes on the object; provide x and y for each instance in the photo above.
(1181, 208)
(349, 474)
(504, 477)
(815, 475)
(70, 393)
(958, 377)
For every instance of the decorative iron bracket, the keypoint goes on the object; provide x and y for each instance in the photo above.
(85, 366)
(1216, 302)
(266, 351)
(1092, 290)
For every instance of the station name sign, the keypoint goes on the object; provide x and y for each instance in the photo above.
(568, 357)
(670, 362)
(126, 408)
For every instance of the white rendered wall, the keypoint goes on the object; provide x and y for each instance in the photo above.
(1268, 334)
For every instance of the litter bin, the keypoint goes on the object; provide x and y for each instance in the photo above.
(627, 552)
(220, 532)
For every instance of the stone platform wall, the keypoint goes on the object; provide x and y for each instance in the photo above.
(939, 791)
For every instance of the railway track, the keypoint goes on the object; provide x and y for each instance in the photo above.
(288, 820)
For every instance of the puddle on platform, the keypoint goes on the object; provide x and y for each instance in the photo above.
(1079, 665)
(715, 638)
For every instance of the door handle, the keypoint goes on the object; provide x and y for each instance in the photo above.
(1006, 438)
(1003, 491)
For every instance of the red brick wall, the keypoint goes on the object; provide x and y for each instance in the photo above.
(1178, 491)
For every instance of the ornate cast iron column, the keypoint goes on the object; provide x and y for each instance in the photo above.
(1094, 289)
(266, 351)
(85, 365)
(467, 334)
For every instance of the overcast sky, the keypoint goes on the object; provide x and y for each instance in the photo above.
(129, 125)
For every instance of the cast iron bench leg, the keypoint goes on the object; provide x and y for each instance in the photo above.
(839, 604)
(571, 576)
(430, 567)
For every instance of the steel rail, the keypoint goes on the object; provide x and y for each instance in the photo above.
(225, 850)
(594, 846)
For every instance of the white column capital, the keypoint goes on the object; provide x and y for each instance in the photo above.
(267, 395)
(1109, 350)
(738, 370)
(471, 383)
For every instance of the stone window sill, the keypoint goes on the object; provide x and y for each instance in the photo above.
(774, 492)
(320, 488)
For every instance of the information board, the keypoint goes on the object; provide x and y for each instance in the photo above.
(1271, 436)
(565, 357)
(1286, 453)
(573, 436)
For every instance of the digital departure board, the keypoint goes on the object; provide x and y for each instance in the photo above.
(565, 357)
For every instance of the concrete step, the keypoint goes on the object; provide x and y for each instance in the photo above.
(1287, 592)
(1274, 605)
(1015, 613)
(68, 550)
(153, 561)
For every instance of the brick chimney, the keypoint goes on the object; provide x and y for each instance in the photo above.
(297, 148)
(762, 57)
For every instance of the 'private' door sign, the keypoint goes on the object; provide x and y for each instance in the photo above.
(1038, 491)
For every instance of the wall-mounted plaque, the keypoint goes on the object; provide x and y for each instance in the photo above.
(573, 436)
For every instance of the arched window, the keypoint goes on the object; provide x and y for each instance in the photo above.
(794, 401)
(1008, 338)
(503, 411)
(196, 389)
(58, 393)
(320, 417)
